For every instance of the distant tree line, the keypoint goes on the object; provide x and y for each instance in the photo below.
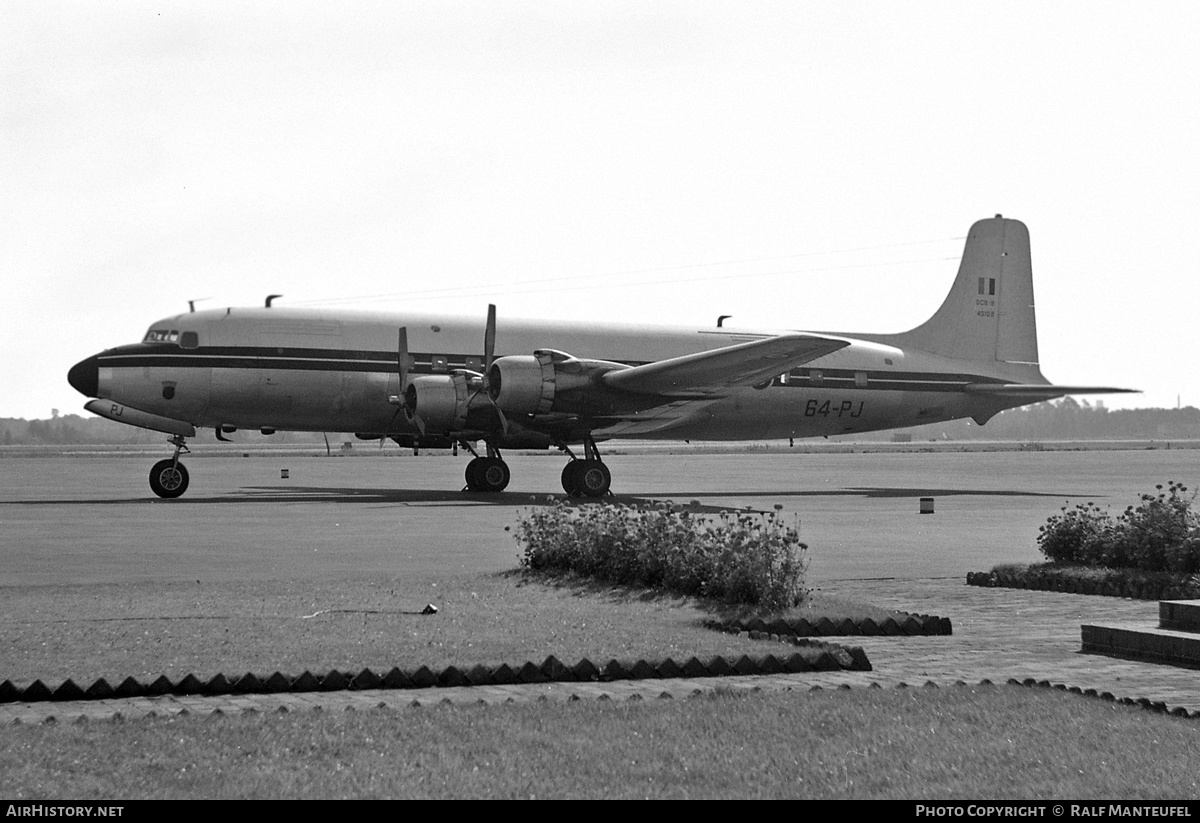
(1069, 419)
(74, 430)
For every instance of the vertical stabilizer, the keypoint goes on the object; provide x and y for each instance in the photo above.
(988, 314)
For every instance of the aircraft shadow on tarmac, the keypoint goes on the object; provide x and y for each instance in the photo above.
(377, 496)
(875, 492)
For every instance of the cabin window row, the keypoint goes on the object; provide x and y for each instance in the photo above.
(816, 377)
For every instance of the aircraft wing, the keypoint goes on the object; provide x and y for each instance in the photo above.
(743, 364)
(649, 421)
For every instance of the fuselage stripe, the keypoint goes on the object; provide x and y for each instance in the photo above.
(285, 359)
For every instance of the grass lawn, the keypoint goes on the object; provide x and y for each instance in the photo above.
(144, 630)
(966, 742)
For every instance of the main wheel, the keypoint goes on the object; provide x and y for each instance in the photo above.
(590, 478)
(168, 478)
(494, 475)
(488, 474)
(568, 480)
(473, 468)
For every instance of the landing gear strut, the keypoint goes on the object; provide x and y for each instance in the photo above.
(169, 478)
(487, 474)
(588, 477)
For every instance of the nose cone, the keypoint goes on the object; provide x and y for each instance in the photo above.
(84, 377)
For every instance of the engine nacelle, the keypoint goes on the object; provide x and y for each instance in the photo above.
(537, 383)
(438, 402)
(523, 384)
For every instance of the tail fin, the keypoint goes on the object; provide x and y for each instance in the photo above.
(988, 314)
(988, 317)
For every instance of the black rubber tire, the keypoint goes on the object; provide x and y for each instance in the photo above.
(492, 475)
(472, 473)
(593, 478)
(168, 479)
(568, 479)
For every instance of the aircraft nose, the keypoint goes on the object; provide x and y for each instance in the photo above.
(84, 377)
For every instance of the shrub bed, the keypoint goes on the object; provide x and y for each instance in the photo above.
(734, 557)
(1160, 534)
(1150, 551)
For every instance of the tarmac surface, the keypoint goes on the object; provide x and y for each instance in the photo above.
(999, 635)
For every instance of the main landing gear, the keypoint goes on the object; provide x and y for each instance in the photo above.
(588, 477)
(169, 478)
(487, 474)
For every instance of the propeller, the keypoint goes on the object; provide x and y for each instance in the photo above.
(403, 364)
(489, 355)
(403, 360)
(399, 400)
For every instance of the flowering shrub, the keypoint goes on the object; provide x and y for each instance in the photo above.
(1162, 533)
(1075, 534)
(742, 557)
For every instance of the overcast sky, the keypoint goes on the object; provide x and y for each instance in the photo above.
(796, 164)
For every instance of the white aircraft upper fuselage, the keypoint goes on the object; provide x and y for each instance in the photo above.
(425, 378)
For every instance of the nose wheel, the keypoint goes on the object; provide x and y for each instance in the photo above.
(169, 478)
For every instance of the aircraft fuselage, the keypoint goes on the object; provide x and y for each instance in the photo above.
(304, 370)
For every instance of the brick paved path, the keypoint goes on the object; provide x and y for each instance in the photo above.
(998, 634)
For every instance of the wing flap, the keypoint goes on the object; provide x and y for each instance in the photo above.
(743, 364)
(649, 421)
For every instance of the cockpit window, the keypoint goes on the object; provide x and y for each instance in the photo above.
(162, 336)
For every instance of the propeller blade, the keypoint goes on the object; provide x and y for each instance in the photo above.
(402, 358)
(489, 339)
(489, 354)
(386, 429)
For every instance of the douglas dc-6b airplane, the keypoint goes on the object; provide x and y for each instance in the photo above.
(434, 381)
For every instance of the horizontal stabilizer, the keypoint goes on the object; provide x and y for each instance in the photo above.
(743, 364)
(1031, 392)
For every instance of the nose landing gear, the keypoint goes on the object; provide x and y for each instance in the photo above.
(169, 478)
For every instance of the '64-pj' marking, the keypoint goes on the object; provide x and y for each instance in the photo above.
(845, 408)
